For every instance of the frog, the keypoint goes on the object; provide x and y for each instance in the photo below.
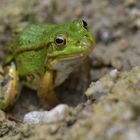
(41, 57)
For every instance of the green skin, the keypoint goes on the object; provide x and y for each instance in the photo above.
(42, 57)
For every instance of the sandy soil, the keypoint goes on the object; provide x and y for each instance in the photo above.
(111, 110)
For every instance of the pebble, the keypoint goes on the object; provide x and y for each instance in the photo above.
(135, 12)
(124, 45)
(2, 116)
(94, 88)
(57, 114)
(114, 73)
(137, 23)
(103, 35)
(129, 3)
(132, 134)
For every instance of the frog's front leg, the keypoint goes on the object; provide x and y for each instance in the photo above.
(46, 90)
(9, 87)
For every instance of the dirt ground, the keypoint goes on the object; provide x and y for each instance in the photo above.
(110, 76)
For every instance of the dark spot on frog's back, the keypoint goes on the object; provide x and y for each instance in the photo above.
(19, 62)
(6, 80)
(30, 58)
(78, 42)
(22, 78)
(29, 41)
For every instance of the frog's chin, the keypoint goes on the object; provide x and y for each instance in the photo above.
(63, 66)
(68, 61)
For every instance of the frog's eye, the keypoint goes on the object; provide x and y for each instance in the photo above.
(60, 41)
(84, 23)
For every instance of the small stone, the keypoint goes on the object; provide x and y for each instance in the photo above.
(94, 88)
(59, 113)
(129, 3)
(124, 45)
(114, 73)
(132, 134)
(137, 22)
(78, 12)
(135, 12)
(2, 116)
(106, 36)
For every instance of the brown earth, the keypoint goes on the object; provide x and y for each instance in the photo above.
(112, 110)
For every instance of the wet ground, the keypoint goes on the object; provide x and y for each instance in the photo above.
(111, 110)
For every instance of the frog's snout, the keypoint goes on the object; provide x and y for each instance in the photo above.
(87, 44)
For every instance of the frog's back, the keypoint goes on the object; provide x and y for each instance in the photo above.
(33, 35)
(28, 48)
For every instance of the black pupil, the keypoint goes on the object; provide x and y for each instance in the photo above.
(59, 40)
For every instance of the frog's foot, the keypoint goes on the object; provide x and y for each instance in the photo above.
(46, 90)
(8, 85)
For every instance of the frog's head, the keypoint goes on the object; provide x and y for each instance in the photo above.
(70, 43)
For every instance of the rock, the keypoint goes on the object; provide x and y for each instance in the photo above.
(59, 113)
(129, 3)
(99, 88)
(2, 116)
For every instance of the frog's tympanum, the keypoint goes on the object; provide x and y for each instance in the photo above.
(41, 58)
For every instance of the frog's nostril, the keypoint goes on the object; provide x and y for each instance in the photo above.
(85, 42)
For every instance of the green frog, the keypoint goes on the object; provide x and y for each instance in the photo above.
(41, 57)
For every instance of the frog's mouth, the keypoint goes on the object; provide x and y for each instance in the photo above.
(81, 51)
(69, 61)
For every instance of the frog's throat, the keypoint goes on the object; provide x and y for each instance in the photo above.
(64, 66)
(64, 62)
